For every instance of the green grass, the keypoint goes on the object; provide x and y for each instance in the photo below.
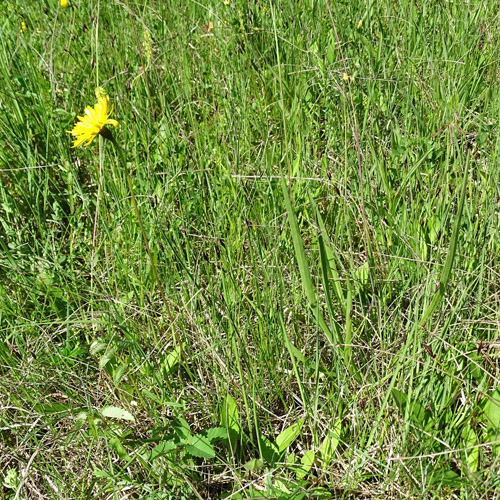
(329, 251)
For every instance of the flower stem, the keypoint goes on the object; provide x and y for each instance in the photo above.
(119, 150)
(176, 336)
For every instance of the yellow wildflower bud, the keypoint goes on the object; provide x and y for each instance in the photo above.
(64, 3)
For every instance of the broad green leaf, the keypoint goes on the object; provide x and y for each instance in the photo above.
(107, 357)
(172, 360)
(321, 493)
(200, 447)
(270, 452)
(229, 414)
(52, 407)
(182, 430)
(445, 477)
(492, 411)
(289, 435)
(328, 261)
(215, 434)
(331, 50)
(330, 443)
(118, 413)
(472, 454)
(162, 449)
(418, 415)
(296, 353)
(253, 465)
(117, 446)
(119, 373)
(282, 486)
(307, 460)
(102, 474)
(97, 346)
(230, 420)
(296, 165)
(434, 225)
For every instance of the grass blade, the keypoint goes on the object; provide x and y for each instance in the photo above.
(445, 275)
(301, 256)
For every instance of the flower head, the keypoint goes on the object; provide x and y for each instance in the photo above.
(64, 3)
(347, 78)
(94, 122)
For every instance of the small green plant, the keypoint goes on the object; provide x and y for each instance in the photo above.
(11, 479)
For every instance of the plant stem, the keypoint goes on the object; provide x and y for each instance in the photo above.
(119, 150)
(123, 160)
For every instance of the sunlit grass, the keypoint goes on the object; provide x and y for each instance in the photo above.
(232, 311)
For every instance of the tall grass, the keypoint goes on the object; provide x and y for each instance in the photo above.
(318, 187)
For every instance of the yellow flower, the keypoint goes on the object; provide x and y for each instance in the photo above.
(64, 3)
(93, 123)
(22, 29)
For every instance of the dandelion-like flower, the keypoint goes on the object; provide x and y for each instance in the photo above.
(64, 3)
(94, 122)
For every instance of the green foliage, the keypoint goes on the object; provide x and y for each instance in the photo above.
(318, 186)
(11, 479)
(118, 413)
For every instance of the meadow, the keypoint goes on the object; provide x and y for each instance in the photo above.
(280, 277)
